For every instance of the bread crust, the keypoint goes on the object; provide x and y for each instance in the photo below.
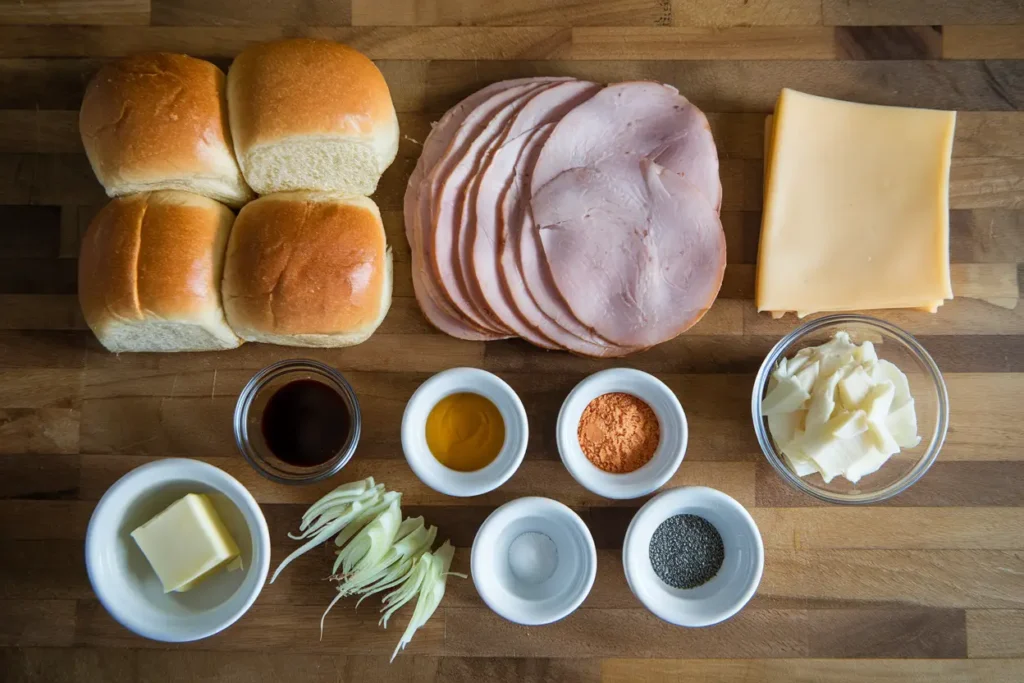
(159, 121)
(155, 258)
(307, 269)
(305, 87)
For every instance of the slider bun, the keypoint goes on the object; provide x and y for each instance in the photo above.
(311, 115)
(307, 269)
(159, 122)
(149, 273)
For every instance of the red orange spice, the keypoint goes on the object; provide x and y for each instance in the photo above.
(618, 432)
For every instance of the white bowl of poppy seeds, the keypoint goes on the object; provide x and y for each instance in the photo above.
(693, 556)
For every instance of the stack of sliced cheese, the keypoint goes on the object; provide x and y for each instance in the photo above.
(856, 208)
(165, 266)
(839, 410)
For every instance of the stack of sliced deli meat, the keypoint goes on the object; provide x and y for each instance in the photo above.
(574, 215)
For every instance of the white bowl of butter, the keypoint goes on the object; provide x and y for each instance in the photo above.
(191, 538)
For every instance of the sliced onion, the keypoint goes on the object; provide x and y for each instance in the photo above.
(397, 598)
(378, 551)
(368, 516)
(404, 551)
(370, 498)
(431, 591)
(344, 493)
(368, 547)
(332, 520)
(324, 534)
(332, 512)
(396, 575)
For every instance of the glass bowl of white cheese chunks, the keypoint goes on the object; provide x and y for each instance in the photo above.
(850, 409)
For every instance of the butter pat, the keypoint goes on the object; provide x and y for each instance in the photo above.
(856, 210)
(843, 411)
(186, 543)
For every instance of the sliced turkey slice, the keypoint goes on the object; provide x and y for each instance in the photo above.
(450, 180)
(641, 119)
(526, 273)
(637, 251)
(482, 237)
(418, 209)
(439, 312)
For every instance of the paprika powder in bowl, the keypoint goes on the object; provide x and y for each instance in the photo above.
(464, 432)
(621, 433)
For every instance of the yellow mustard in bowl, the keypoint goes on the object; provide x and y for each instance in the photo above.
(465, 431)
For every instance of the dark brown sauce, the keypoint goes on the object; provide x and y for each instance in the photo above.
(306, 423)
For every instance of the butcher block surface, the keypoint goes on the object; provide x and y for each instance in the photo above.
(927, 587)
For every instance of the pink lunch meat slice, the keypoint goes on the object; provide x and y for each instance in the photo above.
(432, 302)
(641, 119)
(526, 273)
(636, 250)
(450, 178)
(483, 238)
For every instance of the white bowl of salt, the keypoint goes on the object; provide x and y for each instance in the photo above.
(533, 561)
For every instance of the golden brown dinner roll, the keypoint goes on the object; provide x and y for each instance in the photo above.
(159, 122)
(307, 269)
(149, 273)
(311, 115)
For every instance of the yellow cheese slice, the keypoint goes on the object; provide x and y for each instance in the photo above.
(856, 210)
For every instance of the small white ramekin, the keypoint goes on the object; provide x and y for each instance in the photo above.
(414, 435)
(722, 596)
(126, 584)
(666, 459)
(560, 594)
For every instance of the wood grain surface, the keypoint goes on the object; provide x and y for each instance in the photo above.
(928, 587)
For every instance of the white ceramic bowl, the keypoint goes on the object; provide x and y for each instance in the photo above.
(733, 585)
(534, 600)
(666, 459)
(128, 587)
(414, 435)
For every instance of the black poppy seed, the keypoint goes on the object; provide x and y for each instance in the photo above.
(686, 551)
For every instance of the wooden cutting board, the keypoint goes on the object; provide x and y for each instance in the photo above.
(928, 587)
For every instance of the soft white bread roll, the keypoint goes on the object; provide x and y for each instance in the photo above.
(307, 269)
(149, 273)
(159, 122)
(311, 115)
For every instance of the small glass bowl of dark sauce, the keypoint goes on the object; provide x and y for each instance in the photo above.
(297, 421)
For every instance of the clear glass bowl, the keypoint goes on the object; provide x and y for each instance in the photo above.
(249, 417)
(926, 386)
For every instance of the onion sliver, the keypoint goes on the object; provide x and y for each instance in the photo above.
(431, 591)
(378, 551)
(368, 547)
